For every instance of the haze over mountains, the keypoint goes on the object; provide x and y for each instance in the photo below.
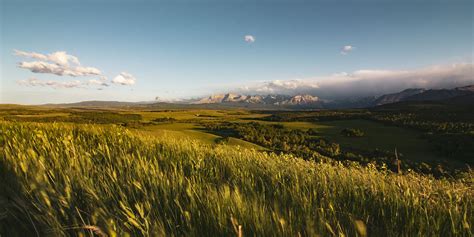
(463, 94)
(305, 100)
(424, 95)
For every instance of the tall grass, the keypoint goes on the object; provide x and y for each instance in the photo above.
(59, 179)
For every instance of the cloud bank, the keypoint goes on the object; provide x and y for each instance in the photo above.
(50, 83)
(60, 58)
(59, 70)
(363, 83)
(35, 82)
(61, 63)
(58, 63)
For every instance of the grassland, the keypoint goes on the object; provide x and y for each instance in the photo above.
(378, 136)
(68, 179)
(408, 142)
(145, 172)
(188, 124)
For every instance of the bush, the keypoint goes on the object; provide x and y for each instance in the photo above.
(352, 132)
(164, 119)
(222, 140)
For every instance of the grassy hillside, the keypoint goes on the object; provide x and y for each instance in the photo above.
(64, 179)
(439, 145)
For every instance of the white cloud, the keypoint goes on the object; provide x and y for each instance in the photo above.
(62, 84)
(41, 67)
(249, 38)
(30, 55)
(84, 71)
(283, 85)
(60, 70)
(370, 82)
(60, 58)
(59, 63)
(97, 82)
(49, 83)
(62, 64)
(124, 79)
(347, 49)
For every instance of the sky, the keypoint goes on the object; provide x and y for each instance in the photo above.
(69, 51)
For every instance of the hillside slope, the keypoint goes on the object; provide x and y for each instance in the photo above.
(62, 179)
(396, 97)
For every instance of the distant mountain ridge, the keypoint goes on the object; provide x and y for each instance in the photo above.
(441, 94)
(418, 94)
(311, 101)
(459, 95)
(259, 99)
(399, 96)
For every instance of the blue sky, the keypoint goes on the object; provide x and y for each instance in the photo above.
(193, 48)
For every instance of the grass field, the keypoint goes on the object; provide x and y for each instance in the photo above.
(187, 130)
(65, 179)
(408, 142)
(377, 136)
(193, 131)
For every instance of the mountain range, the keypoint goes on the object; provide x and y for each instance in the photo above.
(311, 101)
(457, 95)
(424, 95)
(260, 99)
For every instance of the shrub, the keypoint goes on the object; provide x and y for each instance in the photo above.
(352, 132)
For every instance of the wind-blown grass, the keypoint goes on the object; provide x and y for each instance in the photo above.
(59, 179)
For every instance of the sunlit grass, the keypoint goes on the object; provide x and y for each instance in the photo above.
(59, 179)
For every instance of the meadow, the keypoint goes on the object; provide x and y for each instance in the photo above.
(66, 179)
(188, 123)
(135, 172)
(408, 142)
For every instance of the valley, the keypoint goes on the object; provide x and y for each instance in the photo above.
(389, 131)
